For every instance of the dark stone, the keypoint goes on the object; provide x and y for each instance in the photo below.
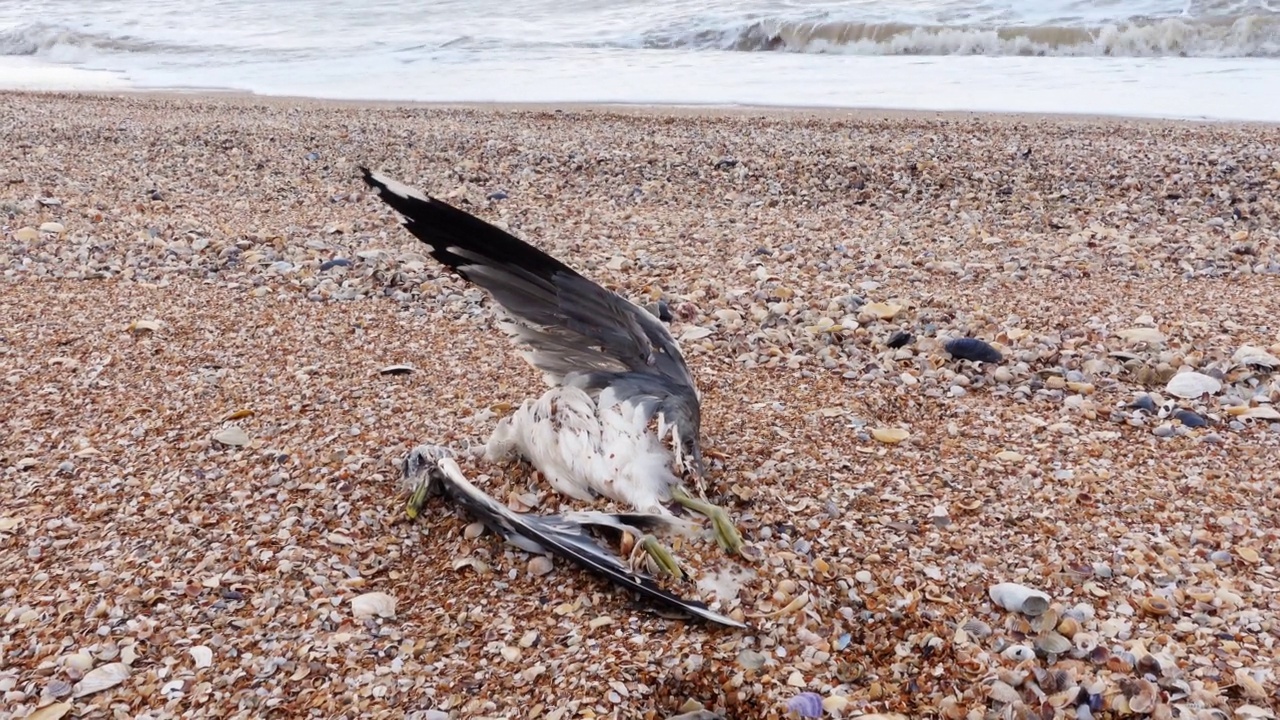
(973, 349)
(900, 338)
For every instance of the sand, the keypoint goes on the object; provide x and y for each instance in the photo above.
(167, 273)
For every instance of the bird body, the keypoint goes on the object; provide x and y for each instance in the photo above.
(589, 446)
(623, 413)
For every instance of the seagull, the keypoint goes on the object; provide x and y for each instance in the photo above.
(432, 470)
(622, 414)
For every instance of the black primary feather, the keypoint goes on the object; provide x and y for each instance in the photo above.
(561, 535)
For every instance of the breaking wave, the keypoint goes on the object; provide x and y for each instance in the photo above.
(1242, 36)
(57, 42)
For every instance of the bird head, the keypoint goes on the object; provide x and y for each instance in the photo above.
(421, 469)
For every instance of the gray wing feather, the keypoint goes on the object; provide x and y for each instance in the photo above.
(571, 323)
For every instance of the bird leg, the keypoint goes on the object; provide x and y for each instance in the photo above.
(417, 500)
(726, 534)
(659, 554)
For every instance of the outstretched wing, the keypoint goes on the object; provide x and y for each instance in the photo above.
(561, 535)
(569, 323)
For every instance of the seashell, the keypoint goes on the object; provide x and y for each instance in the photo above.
(1051, 643)
(1255, 357)
(835, 704)
(1248, 555)
(141, 326)
(1121, 662)
(1068, 627)
(373, 604)
(890, 436)
(103, 678)
(1003, 692)
(695, 333)
(1046, 621)
(977, 628)
(202, 656)
(53, 711)
(1149, 665)
(1249, 685)
(883, 311)
(1144, 697)
(1019, 598)
(81, 661)
(1192, 385)
(972, 349)
(396, 370)
(1019, 653)
(540, 565)
(1085, 642)
(806, 705)
(233, 436)
(1148, 335)
(1156, 606)
(1262, 412)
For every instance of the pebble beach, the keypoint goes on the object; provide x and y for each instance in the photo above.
(200, 444)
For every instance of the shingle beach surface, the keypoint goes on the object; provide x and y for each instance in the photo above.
(198, 453)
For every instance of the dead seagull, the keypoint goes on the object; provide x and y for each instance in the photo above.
(431, 470)
(612, 367)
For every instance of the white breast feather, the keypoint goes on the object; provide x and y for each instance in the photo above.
(582, 447)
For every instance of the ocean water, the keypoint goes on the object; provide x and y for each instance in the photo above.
(1216, 59)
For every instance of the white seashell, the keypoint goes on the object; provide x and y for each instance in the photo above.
(1019, 652)
(51, 712)
(1193, 385)
(1019, 598)
(202, 656)
(1256, 356)
(103, 678)
(695, 333)
(80, 661)
(234, 436)
(373, 604)
(1151, 336)
(1262, 412)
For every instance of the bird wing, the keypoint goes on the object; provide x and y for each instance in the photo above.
(563, 536)
(569, 323)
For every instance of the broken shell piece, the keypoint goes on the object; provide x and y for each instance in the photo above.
(51, 712)
(1019, 598)
(373, 604)
(103, 678)
(202, 656)
(140, 326)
